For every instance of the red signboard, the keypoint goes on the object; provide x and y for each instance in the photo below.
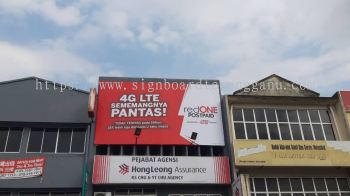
(22, 168)
(345, 96)
(138, 111)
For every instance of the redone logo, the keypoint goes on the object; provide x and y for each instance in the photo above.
(201, 111)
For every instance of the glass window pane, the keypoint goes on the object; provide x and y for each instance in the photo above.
(296, 184)
(35, 140)
(343, 184)
(218, 151)
(282, 115)
(298, 194)
(259, 184)
(261, 194)
(303, 116)
(322, 194)
(320, 184)
(204, 151)
(285, 132)
(296, 132)
(117, 150)
(26, 194)
(286, 194)
(14, 140)
(72, 194)
(270, 115)
(292, 115)
(78, 140)
(318, 131)
(314, 116)
(274, 135)
(307, 132)
(155, 150)
(251, 131)
(64, 139)
(310, 194)
(328, 131)
(259, 115)
(248, 114)
(192, 151)
(57, 194)
(180, 150)
(333, 194)
(149, 191)
(284, 184)
(49, 143)
(168, 150)
(128, 150)
(331, 184)
(237, 115)
(271, 184)
(325, 116)
(308, 184)
(3, 137)
(239, 130)
(262, 131)
(42, 194)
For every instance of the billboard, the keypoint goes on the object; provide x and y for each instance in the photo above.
(22, 168)
(345, 97)
(291, 153)
(159, 111)
(161, 170)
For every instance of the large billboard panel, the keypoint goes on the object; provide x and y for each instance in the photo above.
(161, 170)
(159, 111)
(21, 168)
(291, 153)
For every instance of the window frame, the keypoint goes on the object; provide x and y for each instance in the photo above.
(285, 108)
(57, 137)
(253, 192)
(7, 137)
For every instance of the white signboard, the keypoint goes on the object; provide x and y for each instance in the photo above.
(156, 169)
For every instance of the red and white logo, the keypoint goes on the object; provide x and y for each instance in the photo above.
(123, 169)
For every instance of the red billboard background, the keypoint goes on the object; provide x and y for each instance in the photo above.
(169, 118)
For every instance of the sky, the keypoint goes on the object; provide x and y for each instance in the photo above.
(237, 42)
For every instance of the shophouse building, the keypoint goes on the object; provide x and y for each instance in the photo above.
(287, 140)
(44, 138)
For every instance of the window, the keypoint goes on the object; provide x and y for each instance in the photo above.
(10, 139)
(49, 142)
(136, 191)
(49, 194)
(299, 186)
(160, 150)
(56, 140)
(282, 124)
(168, 150)
(200, 194)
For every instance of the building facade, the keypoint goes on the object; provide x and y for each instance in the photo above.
(287, 140)
(160, 137)
(44, 138)
(170, 137)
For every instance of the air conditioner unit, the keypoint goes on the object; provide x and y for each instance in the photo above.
(102, 194)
